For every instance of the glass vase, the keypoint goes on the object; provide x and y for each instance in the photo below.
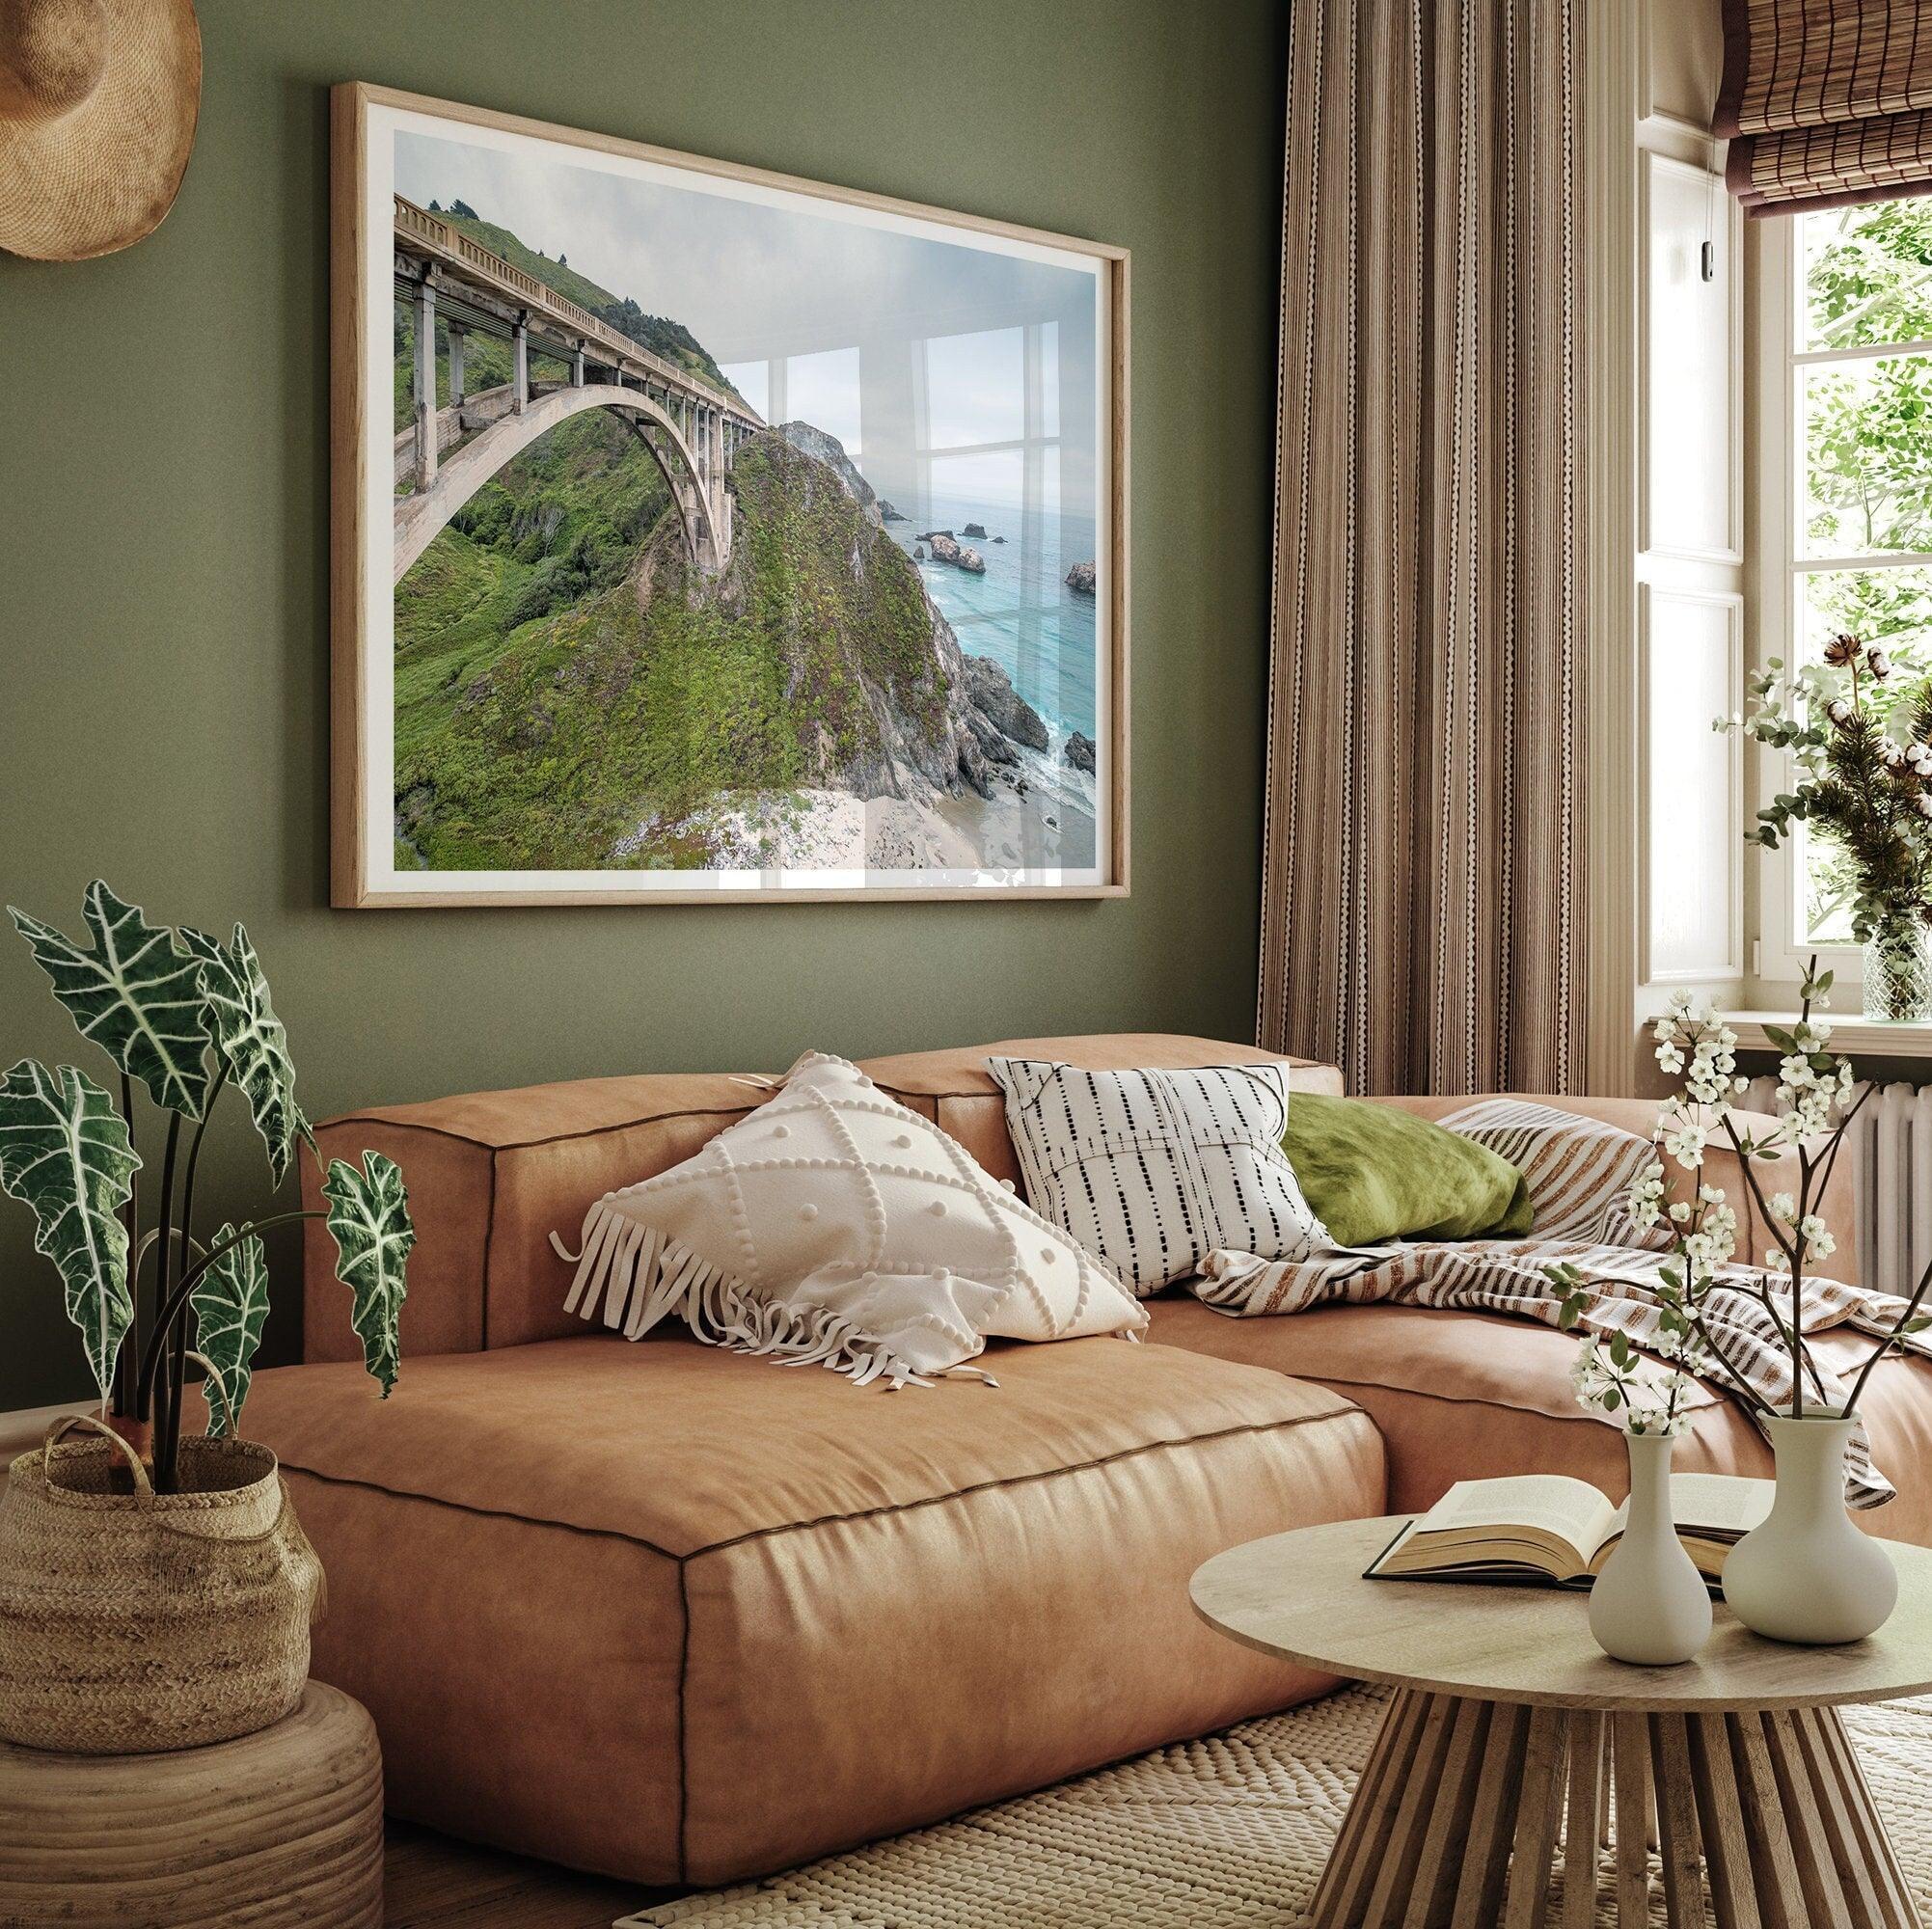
(1898, 972)
(1649, 1605)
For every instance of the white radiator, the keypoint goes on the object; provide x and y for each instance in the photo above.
(1892, 1140)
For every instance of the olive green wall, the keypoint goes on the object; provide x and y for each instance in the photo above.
(164, 553)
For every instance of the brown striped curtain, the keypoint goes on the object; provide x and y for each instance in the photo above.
(1827, 102)
(1422, 914)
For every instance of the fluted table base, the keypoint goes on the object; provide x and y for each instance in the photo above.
(1467, 1810)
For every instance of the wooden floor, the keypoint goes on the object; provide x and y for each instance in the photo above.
(436, 1883)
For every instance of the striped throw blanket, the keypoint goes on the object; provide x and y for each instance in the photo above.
(1579, 1173)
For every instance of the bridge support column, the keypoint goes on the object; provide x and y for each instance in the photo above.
(458, 338)
(520, 365)
(423, 380)
(577, 366)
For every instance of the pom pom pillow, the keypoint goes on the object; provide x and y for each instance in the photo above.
(1151, 1171)
(833, 1225)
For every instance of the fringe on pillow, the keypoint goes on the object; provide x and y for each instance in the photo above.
(637, 1277)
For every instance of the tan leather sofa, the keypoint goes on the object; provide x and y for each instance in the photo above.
(681, 1617)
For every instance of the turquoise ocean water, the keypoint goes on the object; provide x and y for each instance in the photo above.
(1020, 613)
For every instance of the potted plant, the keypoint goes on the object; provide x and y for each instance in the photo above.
(1861, 737)
(1808, 1573)
(155, 1591)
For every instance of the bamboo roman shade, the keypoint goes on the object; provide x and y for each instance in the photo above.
(1826, 103)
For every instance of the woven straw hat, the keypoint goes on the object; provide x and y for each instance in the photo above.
(97, 105)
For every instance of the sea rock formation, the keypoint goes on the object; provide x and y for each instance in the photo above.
(1080, 577)
(994, 696)
(974, 530)
(946, 550)
(918, 552)
(887, 513)
(1079, 753)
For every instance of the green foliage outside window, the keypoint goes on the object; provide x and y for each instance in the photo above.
(1867, 479)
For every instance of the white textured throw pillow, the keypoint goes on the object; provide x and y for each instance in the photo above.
(833, 1225)
(1151, 1171)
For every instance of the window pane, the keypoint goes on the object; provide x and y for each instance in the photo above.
(1867, 274)
(977, 388)
(823, 390)
(1868, 430)
(753, 381)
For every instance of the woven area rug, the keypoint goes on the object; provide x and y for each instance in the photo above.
(1209, 1835)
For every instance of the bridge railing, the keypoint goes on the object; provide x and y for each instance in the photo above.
(418, 224)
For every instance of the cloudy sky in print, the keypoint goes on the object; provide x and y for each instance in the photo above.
(821, 292)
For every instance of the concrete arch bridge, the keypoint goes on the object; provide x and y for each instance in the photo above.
(691, 429)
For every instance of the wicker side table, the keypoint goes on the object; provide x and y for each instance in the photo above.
(277, 1829)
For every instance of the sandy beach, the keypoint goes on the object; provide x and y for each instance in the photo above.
(1048, 824)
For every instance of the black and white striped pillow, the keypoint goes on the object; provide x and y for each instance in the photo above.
(1151, 1171)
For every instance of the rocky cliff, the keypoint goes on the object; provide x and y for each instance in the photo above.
(829, 449)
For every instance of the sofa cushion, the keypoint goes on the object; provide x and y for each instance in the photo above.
(1722, 1168)
(490, 1173)
(659, 1612)
(1376, 1172)
(966, 1101)
(1151, 1169)
(1463, 1396)
(838, 1226)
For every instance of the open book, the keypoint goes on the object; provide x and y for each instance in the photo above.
(1552, 1529)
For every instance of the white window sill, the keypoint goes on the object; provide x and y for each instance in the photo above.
(1851, 1033)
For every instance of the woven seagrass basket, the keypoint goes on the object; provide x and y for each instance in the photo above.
(132, 1622)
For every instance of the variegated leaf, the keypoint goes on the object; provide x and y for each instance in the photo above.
(64, 1150)
(368, 1216)
(231, 1302)
(137, 994)
(244, 1030)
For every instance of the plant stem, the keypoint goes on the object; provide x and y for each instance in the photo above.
(126, 1368)
(195, 1160)
(169, 1408)
(150, 1359)
(1740, 1383)
(177, 1364)
(1894, 1338)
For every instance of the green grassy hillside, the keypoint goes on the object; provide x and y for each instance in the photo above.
(563, 678)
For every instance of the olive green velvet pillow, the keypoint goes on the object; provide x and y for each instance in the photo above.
(1376, 1172)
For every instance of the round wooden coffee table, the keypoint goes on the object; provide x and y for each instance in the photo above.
(1514, 1746)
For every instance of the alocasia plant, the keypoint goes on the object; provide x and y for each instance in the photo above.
(185, 1016)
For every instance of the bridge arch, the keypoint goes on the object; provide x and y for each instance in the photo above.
(421, 518)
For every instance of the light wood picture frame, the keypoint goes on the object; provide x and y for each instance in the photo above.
(739, 538)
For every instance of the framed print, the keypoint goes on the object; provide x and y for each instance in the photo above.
(705, 535)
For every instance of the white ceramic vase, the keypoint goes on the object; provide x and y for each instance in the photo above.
(1808, 1574)
(1649, 1605)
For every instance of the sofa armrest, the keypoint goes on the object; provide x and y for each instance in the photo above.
(1722, 1167)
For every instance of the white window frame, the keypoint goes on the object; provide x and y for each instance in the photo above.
(1777, 267)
